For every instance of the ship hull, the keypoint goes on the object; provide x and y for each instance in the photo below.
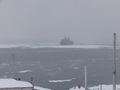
(64, 43)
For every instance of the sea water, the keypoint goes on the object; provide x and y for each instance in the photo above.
(59, 68)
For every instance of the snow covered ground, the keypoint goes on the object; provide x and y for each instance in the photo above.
(104, 87)
(15, 83)
(12, 83)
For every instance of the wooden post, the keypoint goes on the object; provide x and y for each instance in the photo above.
(114, 63)
(85, 77)
(31, 80)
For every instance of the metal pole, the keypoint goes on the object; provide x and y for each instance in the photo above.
(114, 63)
(100, 84)
(85, 77)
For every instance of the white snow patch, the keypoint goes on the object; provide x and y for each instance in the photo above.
(56, 81)
(40, 88)
(25, 71)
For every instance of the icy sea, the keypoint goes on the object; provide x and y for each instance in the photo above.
(59, 67)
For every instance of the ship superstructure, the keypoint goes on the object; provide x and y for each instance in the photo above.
(66, 41)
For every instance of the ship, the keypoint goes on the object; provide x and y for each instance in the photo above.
(66, 41)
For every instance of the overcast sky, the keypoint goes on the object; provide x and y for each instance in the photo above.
(84, 21)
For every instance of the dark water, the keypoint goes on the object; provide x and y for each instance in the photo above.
(59, 64)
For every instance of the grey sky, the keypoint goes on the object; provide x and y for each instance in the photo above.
(84, 21)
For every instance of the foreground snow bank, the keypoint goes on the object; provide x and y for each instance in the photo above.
(104, 87)
(40, 88)
(10, 83)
